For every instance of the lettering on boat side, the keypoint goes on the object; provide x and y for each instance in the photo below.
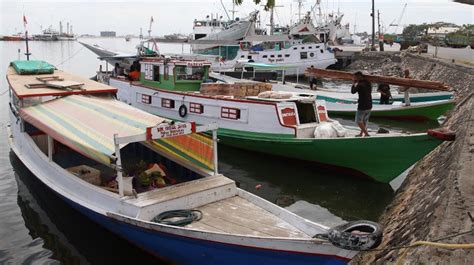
(170, 130)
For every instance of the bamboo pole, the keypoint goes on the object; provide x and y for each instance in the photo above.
(407, 82)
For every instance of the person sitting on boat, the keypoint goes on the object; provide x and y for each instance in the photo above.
(385, 95)
(134, 73)
(118, 70)
(363, 87)
(313, 81)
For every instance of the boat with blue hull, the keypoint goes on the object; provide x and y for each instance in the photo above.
(83, 144)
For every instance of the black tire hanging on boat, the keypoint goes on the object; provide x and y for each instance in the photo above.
(183, 111)
(357, 235)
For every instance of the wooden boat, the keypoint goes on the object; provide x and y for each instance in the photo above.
(16, 37)
(175, 88)
(75, 138)
(339, 104)
(419, 111)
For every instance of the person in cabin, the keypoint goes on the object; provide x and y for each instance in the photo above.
(313, 80)
(363, 87)
(385, 95)
(118, 70)
(134, 73)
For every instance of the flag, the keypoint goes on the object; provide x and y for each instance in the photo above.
(151, 20)
(24, 21)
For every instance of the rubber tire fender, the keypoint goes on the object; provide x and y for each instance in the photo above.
(342, 236)
(183, 111)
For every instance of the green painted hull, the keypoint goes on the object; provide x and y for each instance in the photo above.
(420, 113)
(380, 158)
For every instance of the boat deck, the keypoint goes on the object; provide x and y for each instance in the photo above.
(235, 215)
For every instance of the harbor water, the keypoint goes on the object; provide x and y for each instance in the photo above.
(36, 227)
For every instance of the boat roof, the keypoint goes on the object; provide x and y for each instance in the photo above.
(25, 86)
(87, 124)
(177, 61)
(266, 66)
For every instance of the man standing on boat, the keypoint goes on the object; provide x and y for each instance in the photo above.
(363, 87)
(313, 81)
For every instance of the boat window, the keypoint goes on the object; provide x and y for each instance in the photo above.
(196, 108)
(317, 47)
(148, 72)
(311, 54)
(303, 55)
(310, 47)
(242, 56)
(249, 57)
(287, 55)
(294, 48)
(302, 48)
(272, 56)
(322, 51)
(306, 112)
(230, 113)
(279, 55)
(167, 103)
(146, 99)
(265, 56)
(184, 72)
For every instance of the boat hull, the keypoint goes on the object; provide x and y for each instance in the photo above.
(415, 112)
(171, 244)
(379, 158)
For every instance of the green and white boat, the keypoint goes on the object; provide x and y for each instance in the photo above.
(283, 125)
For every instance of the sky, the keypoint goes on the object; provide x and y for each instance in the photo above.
(176, 16)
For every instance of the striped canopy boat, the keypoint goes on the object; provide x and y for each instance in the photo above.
(76, 144)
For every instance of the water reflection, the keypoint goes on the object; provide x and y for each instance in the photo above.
(70, 237)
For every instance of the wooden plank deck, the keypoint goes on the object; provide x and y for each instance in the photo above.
(236, 215)
(19, 82)
(180, 190)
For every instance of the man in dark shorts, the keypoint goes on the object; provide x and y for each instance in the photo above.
(363, 87)
(313, 81)
(385, 95)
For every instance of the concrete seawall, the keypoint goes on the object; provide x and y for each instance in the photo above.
(437, 197)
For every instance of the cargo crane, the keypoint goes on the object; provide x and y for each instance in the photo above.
(397, 24)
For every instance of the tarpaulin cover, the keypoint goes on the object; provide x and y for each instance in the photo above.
(87, 125)
(32, 67)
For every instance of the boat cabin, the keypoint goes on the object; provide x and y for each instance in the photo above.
(174, 74)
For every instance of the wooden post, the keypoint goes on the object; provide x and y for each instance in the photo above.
(399, 81)
(297, 74)
(118, 164)
(214, 143)
(50, 148)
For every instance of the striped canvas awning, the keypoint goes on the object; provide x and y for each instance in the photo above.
(87, 124)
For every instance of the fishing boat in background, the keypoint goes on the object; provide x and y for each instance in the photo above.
(16, 37)
(83, 144)
(293, 127)
(212, 31)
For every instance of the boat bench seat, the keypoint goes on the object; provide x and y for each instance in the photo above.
(185, 195)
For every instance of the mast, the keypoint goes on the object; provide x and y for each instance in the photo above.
(373, 26)
(380, 33)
